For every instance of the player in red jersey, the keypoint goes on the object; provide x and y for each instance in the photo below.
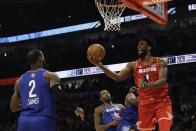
(150, 76)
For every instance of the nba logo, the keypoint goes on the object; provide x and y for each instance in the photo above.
(32, 75)
(86, 71)
(180, 59)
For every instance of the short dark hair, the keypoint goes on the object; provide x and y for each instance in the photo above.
(33, 55)
(149, 41)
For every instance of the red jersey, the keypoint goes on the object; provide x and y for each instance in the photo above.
(149, 73)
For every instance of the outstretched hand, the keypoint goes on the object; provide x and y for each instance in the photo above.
(80, 112)
(94, 60)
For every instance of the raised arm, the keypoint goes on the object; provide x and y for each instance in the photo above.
(98, 124)
(122, 75)
(15, 104)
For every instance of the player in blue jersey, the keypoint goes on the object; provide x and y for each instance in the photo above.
(116, 117)
(33, 95)
(105, 114)
(130, 113)
(108, 115)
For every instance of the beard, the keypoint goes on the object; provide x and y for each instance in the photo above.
(44, 64)
(143, 54)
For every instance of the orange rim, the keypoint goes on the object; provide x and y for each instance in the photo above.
(111, 6)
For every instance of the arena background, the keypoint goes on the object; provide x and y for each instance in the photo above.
(67, 51)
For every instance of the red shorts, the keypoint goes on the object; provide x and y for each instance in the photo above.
(154, 109)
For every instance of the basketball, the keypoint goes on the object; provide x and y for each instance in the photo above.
(97, 51)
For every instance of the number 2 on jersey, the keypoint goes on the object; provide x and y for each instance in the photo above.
(32, 85)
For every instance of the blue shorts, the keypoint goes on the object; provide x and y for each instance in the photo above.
(35, 123)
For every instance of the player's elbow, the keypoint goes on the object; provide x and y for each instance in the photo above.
(12, 108)
(15, 109)
(164, 80)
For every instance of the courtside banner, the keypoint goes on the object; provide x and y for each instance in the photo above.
(171, 60)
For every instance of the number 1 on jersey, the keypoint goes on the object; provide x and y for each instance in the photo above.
(146, 78)
(32, 85)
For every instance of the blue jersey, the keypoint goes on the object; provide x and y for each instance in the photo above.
(36, 95)
(129, 118)
(110, 112)
(130, 114)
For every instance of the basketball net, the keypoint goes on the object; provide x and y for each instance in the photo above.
(111, 11)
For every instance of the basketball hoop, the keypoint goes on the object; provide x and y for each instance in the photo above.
(111, 11)
(154, 9)
(151, 2)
